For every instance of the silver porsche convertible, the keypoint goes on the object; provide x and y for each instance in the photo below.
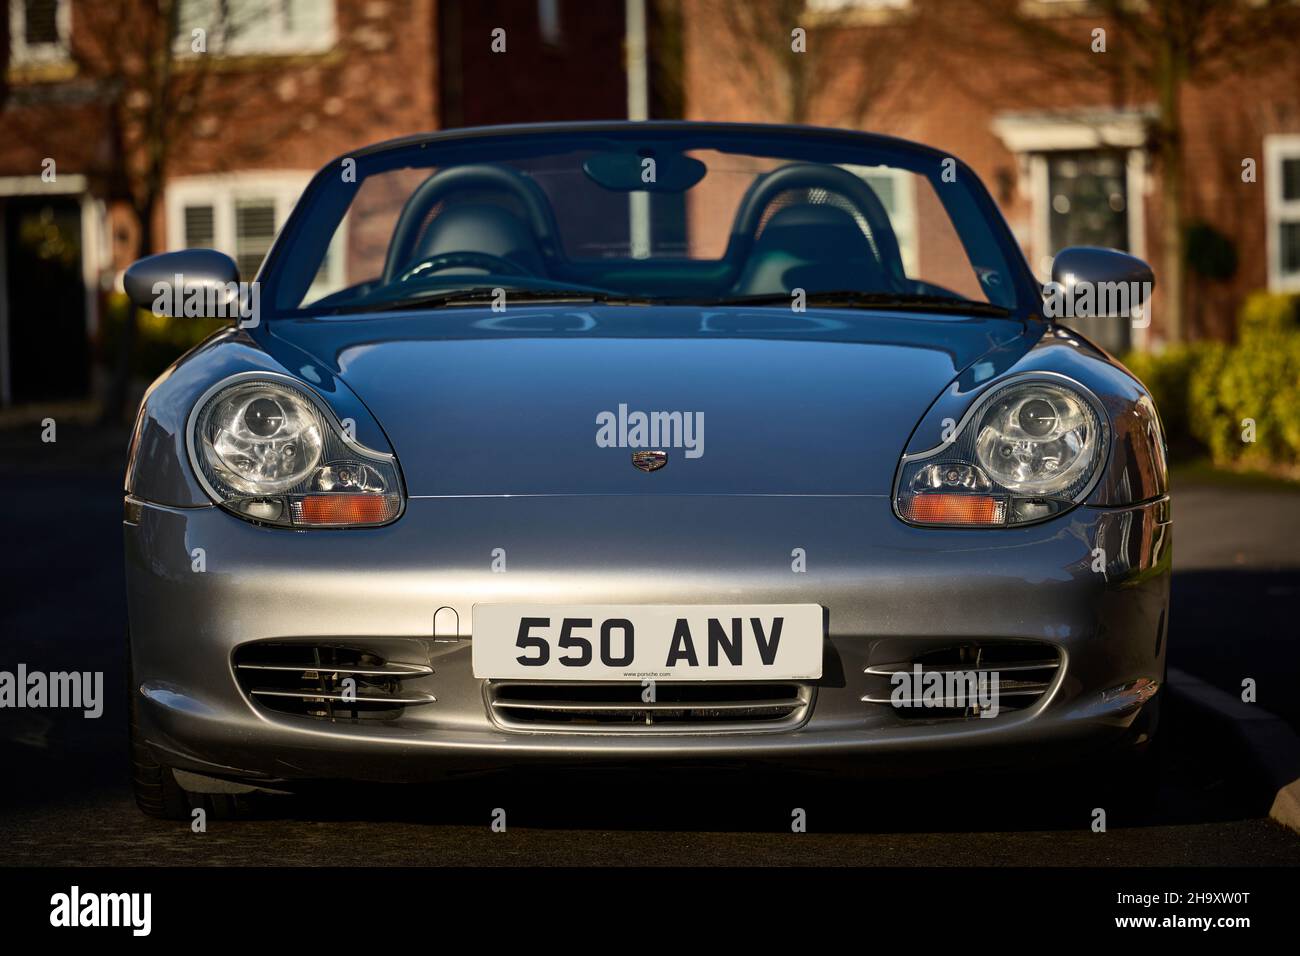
(637, 442)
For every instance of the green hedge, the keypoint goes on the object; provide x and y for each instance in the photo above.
(1206, 390)
(159, 340)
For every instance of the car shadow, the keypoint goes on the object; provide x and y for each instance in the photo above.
(1233, 624)
(1199, 779)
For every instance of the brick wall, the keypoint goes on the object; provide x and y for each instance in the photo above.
(941, 73)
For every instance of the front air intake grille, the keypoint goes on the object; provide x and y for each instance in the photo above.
(328, 681)
(945, 682)
(621, 708)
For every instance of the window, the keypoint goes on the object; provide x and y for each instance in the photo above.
(548, 22)
(200, 227)
(39, 31)
(857, 11)
(896, 190)
(1085, 198)
(1282, 192)
(843, 6)
(256, 27)
(1088, 199)
(240, 215)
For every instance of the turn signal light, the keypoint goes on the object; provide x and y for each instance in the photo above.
(344, 509)
(938, 508)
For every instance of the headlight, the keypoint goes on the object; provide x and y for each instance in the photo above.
(1027, 451)
(267, 451)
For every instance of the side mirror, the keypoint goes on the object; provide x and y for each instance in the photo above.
(1099, 283)
(192, 283)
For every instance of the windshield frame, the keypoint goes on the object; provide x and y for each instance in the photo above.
(814, 144)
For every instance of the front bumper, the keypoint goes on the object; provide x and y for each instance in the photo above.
(202, 583)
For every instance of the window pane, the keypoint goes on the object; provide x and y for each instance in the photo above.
(1291, 178)
(548, 21)
(199, 227)
(1088, 195)
(1290, 248)
(250, 20)
(254, 230)
(192, 15)
(306, 18)
(41, 21)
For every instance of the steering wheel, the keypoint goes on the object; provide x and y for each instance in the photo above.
(496, 265)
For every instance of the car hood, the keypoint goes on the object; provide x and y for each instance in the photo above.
(541, 401)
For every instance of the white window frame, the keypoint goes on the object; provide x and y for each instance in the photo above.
(21, 54)
(261, 42)
(223, 190)
(1279, 210)
(834, 7)
(857, 12)
(550, 24)
(903, 218)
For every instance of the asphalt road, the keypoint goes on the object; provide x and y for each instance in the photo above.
(65, 800)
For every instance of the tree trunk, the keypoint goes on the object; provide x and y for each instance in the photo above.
(1170, 149)
(119, 383)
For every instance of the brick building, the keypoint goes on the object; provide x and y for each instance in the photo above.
(1068, 146)
(1065, 139)
(280, 88)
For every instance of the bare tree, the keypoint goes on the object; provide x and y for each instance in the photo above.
(837, 69)
(157, 80)
(163, 90)
(135, 51)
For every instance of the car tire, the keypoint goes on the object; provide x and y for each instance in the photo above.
(157, 793)
(1136, 776)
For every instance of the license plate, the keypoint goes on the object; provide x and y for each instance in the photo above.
(647, 641)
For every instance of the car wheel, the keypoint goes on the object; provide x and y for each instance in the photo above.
(1137, 774)
(157, 793)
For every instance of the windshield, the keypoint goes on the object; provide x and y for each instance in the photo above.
(644, 214)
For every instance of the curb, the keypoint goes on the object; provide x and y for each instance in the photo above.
(1269, 741)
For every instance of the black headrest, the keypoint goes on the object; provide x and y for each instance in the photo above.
(481, 227)
(811, 246)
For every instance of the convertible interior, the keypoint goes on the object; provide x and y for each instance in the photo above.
(811, 226)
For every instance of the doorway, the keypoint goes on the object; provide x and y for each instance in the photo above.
(47, 353)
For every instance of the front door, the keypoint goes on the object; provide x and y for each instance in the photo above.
(48, 349)
(1088, 196)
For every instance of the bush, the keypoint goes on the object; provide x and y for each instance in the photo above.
(1168, 377)
(159, 340)
(1207, 391)
(1257, 379)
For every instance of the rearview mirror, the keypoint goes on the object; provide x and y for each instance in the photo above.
(1092, 282)
(192, 283)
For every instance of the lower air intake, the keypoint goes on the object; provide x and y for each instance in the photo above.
(928, 682)
(676, 707)
(328, 681)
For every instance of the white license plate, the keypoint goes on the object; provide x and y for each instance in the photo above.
(647, 641)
